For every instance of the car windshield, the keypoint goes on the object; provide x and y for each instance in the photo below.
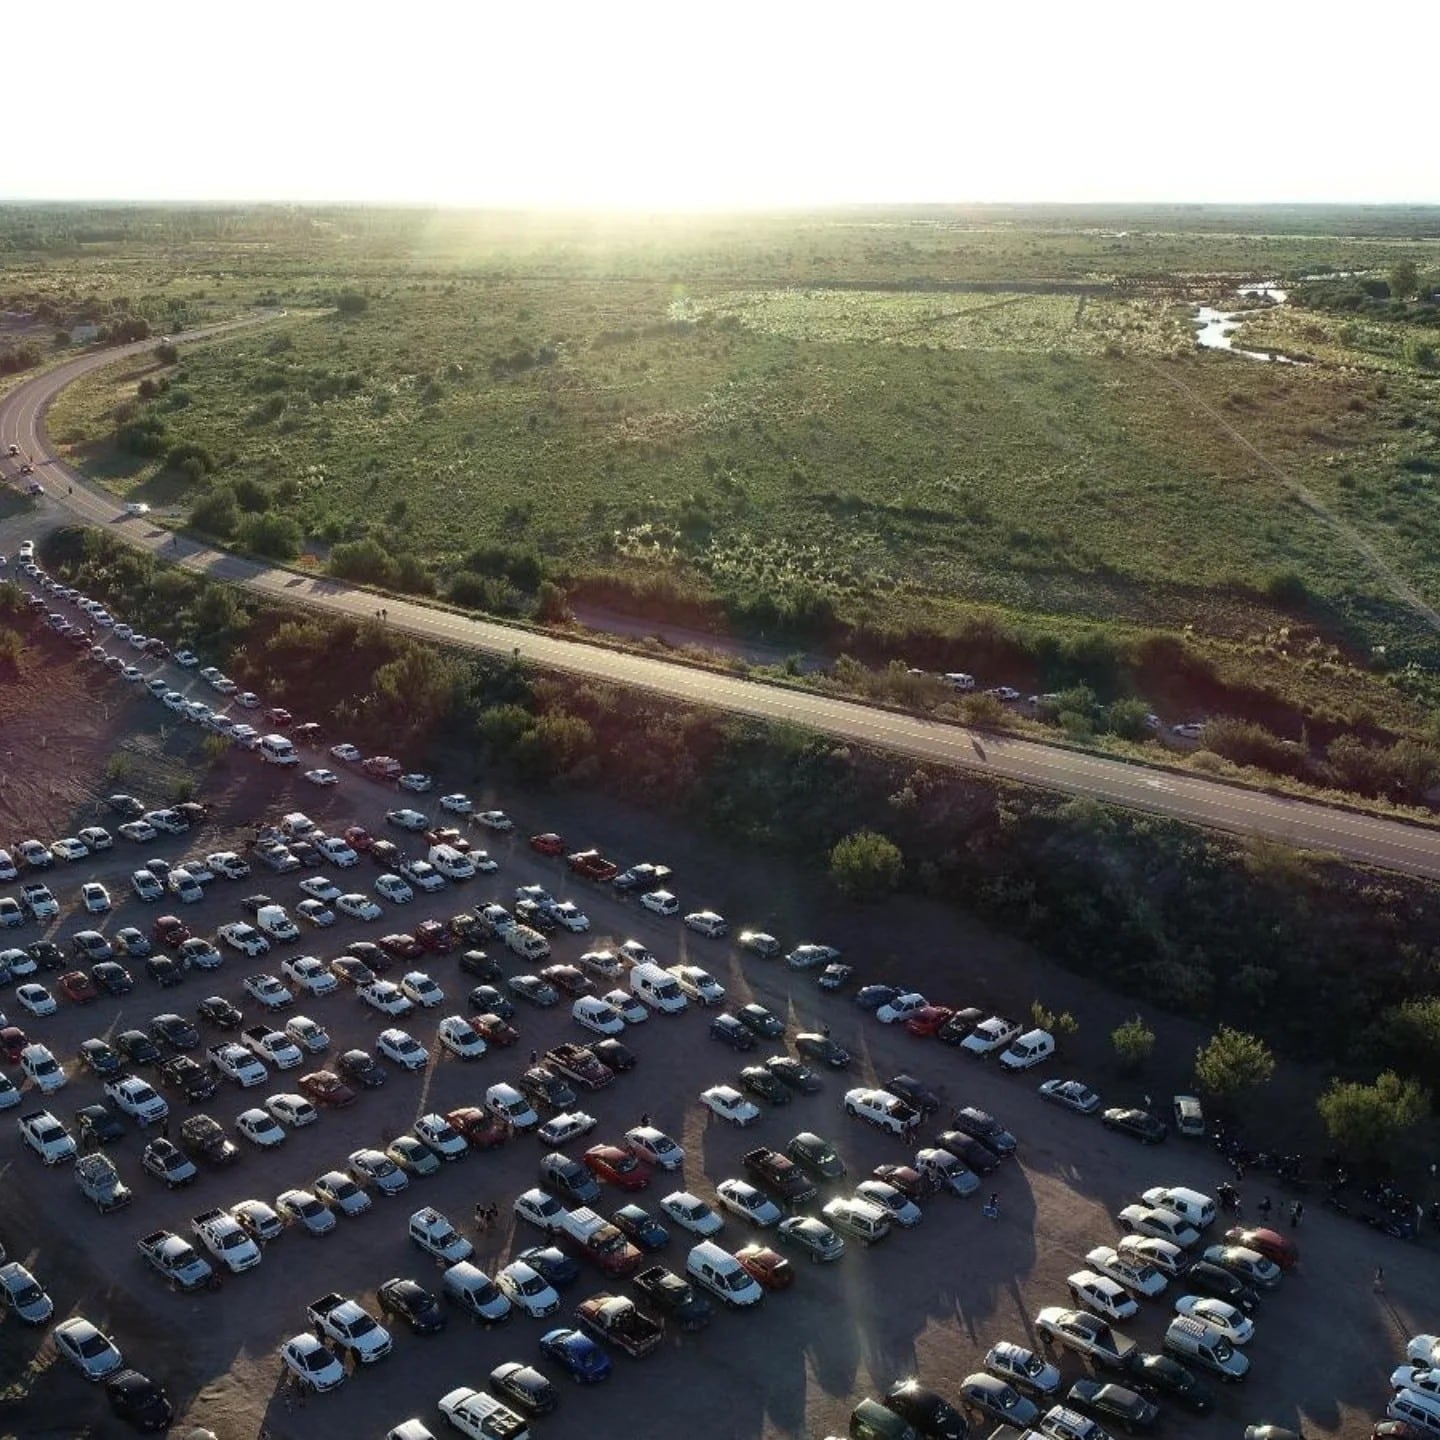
(94, 1345)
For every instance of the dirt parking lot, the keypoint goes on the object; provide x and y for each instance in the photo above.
(926, 1302)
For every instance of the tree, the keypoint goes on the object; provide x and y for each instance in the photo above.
(1364, 1121)
(216, 513)
(1045, 1019)
(1406, 1038)
(1133, 1042)
(277, 536)
(551, 605)
(366, 561)
(1233, 1063)
(866, 865)
(1403, 279)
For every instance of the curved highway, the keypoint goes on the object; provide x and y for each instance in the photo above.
(1390, 844)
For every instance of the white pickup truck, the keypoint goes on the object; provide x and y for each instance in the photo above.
(226, 1239)
(238, 1064)
(351, 1327)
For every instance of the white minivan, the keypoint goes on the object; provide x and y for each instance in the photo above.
(723, 1275)
(528, 944)
(1027, 1050)
(277, 750)
(453, 864)
(656, 987)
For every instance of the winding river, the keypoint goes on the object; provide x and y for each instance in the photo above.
(1216, 327)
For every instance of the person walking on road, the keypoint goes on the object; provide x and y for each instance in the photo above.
(1379, 1279)
(534, 1057)
(1297, 1214)
(1264, 1208)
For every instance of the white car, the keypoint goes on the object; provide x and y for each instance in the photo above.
(990, 1035)
(882, 1109)
(654, 1147)
(569, 916)
(173, 700)
(482, 862)
(901, 1209)
(509, 1104)
(36, 999)
(280, 1050)
(303, 1208)
(346, 753)
(146, 885)
(337, 1190)
(902, 1007)
(708, 923)
(1236, 1327)
(743, 1199)
(95, 898)
(337, 851)
(1136, 1275)
(314, 912)
(292, 1110)
(137, 1099)
(44, 1070)
(274, 922)
(729, 1104)
(541, 1209)
(460, 1037)
(97, 838)
(386, 997)
(567, 1126)
(417, 782)
(228, 864)
(322, 776)
(423, 875)
(309, 973)
(308, 1034)
(498, 918)
(244, 937)
(358, 907)
(526, 1288)
(456, 804)
(1169, 1259)
(441, 1136)
(660, 902)
(186, 659)
(319, 887)
(12, 913)
(260, 1128)
(403, 1048)
(598, 1015)
(1162, 1224)
(807, 957)
(495, 820)
(422, 990)
(184, 886)
(268, 991)
(248, 700)
(1106, 1297)
(691, 1213)
(407, 819)
(92, 1352)
(699, 985)
(39, 901)
(69, 849)
(46, 1136)
(626, 1006)
(394, 889)
(9, 1095)
(375, 1167)
(312, 1362)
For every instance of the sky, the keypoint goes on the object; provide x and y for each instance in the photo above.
(743, 105)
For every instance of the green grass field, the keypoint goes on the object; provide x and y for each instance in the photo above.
(852, 405)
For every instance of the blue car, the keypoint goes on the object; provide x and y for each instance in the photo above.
(555, 1265)
(872, 997)
(639, 1225)
(578, 1353)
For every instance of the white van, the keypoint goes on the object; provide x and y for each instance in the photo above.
(528, 944)
(1189, 1204)
(296, 825)
(1205, 1347)
(469, 1287)
(958, 680)
(277, 750)
(656, 987)
(1028, 1049)
(452, 863)
(1421, 1411)
(723, 1275)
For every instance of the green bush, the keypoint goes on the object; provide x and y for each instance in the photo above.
(866, 866)
(217, 513)
(1364, 1121)
(276, 536)
(366, 562)
(1133, 1043)
(1232, 1064)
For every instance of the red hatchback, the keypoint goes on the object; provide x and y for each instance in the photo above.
(78, 987)
(325, 1087)
(1269, 1243)
(494, 1031)
(357, 837)
(170, 930)
(483, 1129)
(12, 1041)
(929, 1020)
(548, 844)
(619, 1167)
(772, 1271)
(402, 947)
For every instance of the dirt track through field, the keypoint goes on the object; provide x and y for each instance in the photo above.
(1401, 588)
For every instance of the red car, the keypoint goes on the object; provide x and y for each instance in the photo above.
(12, 1041)
(482, 1128)
(494, 1031)
(906, 1179)
(357, 837)
(929, 1021)
(170, 930)
(772, 1271)
(76, 985)
(402, 947)
(432, 935)
(568, 980)
(450, 836)
(1269, 1243)
(325, 1087)
(548, 844)
(619, 1167)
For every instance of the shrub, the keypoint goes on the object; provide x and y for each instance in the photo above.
(167, 354)
(351, 302)
(192, 459)
(1133, 1041)
(217, 513)
(866, 866)
(367, 562)
(1363, 1121)
(277, 536)
(551, 605)
(1232, 1064)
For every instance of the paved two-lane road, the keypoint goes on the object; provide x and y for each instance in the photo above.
(1390, 844)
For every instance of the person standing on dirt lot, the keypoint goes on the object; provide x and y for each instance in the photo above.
(1297, 1214)
(1264, 1208)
